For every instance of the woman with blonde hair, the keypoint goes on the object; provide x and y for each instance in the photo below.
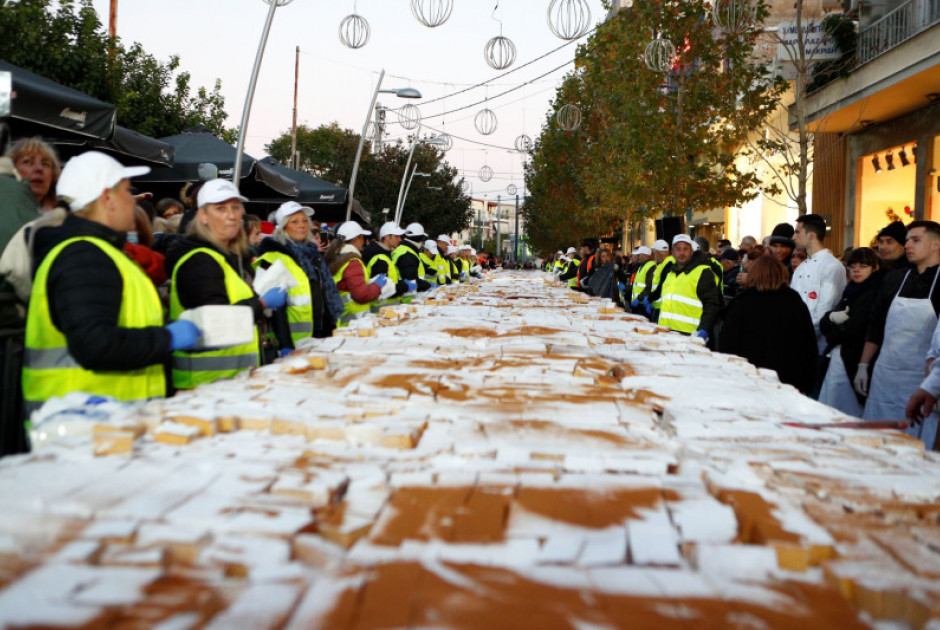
(37, 163)
(209, 265)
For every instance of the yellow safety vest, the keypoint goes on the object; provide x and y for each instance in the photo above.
(195, 368)
(443, 269)
(657, 278)
(351, 308)
(641, 279)
(430, 269)
(299, 298)
(393, 276)
(48, 368)
(573, 281)
(681, 307)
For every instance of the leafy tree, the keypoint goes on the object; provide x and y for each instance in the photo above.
(69, 45)
(329, 151)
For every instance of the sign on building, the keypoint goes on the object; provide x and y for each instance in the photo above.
(817, 44)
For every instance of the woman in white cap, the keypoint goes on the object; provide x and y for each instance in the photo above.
(95, 321)
(209, 265)
(350, 274)
(406, 256)
(427, 255)
(377, 256)
(313, 306)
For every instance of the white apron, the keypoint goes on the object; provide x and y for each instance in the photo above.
(902, 361)
(837, 390)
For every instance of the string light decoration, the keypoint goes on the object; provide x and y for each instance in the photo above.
(523, 143)
(409, 116)
(485, 174)
(499, 53)
(568, 117)
(485, 121)
(569, 19)
(354, 31)
(432, 13)
(448, 142)
(733, 16)
(511, 190)
(660, 55)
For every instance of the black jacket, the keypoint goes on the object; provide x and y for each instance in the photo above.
(772, 329)
(85, 290)
(200, 280)
(850, 336)
(409, 264)
(374, 249)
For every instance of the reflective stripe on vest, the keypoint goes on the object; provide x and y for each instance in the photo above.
(443, 269)
(351, 308)
(657, 279)
(48, 368)
(299, 298)
(195, 368)
(393, 276)
(430, 270)
(681, 308)
(641, 279)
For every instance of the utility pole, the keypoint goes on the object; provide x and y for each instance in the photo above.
(293, 131)
(515, 249)
(499, 228)
(486, 210)
(112, 22)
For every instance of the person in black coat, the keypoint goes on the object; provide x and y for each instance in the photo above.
(769, 325)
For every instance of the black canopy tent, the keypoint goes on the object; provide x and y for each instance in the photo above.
(198, 146)
(127, 146)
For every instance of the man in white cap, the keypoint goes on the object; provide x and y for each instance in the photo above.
(427, 255)
(351, 276)
(643, 277)
(690, 296)
(377, 256)
(664, 261)
(570, 273)
(95, 321)
(406, 256)
(559, 265)
(441, 261)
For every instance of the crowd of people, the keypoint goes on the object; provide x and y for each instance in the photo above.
(102, 277)
(859, 332)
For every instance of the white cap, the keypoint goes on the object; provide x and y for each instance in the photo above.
(217, 191)
(473, 252)
(695, 246)
(431, 246)
(443, 237)
(571, 250)
(661, 246)
(390, 228)
(415, 229)
(289, 209)
(88, 175)
(642, 250)
(682, 238)
(350, 230)
(559, 253)
(463, 248)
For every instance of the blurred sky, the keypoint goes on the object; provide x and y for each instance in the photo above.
(219, 39)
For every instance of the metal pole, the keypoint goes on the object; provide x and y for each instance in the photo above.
(401, 189)
(252, 83)
(486, 210)
(362, 140)
(378, 132)
(499, 229)
(411, 178)
(515, 249)
(293, 129)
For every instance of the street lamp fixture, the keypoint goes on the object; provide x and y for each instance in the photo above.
(405, 176)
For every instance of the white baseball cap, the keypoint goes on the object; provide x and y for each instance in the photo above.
(443, 237)
(217, 191)
(350, 230)
(661, 246)
(431, 246)
(473, 252)
(642, 250)
(571, 250)
(86, 176)
(390, 228)
(415, 229)
(289, 209)
(682, 238)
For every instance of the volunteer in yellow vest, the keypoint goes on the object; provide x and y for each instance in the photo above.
(313, 305)
(427, 255)
(406, 258)
(210, 266)
(651, 300)
(95, 322)
(570, 274)
(350, 273)
(442, 261)
(560, 263)
(456, 264)
(377, 257)
(643, 277)
(691, 299)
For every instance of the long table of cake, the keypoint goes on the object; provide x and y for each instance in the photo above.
(502, 454)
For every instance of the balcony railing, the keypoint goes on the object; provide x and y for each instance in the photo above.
(896, 27)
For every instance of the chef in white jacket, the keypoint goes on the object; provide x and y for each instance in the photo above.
(821, 278)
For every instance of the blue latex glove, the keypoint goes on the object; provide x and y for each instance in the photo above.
(380, 279)
(701, 333)
(647, 306)
(463, 274)
(284, 352)
(621, 286)
(412, 285)
(275, 298)
(635, 303)
(183, 334)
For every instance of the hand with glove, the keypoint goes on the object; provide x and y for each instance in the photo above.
(183, 334)
(839, 317)
(860, 382)
(478, 269)
(701, 334)
(635, 303)
(621, 286)
(380, 279)
(463, 275)
(412, 285)
(388, 290)
(274, 299)
(647, 306)
(283, 352)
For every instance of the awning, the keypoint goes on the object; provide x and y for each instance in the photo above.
(128, 147)
(327, 200)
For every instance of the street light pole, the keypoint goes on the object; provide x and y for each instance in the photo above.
(499, 228)
(293, 128)
(515, 249)
(401, 189)
(414, 173)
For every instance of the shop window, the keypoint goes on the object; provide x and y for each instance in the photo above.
(887, 190)
(932, 211)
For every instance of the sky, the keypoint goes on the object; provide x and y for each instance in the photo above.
(219, 39)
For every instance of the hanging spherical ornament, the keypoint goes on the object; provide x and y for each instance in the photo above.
(432, 13)
(569, 117)
(523, 144)
(734, 16)
(464, 186)
(499, 53)
(354, 31)
(486, 173)
(485, 121)
(409, 116)
(280, 3)
(447, 143)
(660, 55)
(569, 19)
(511, 190)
